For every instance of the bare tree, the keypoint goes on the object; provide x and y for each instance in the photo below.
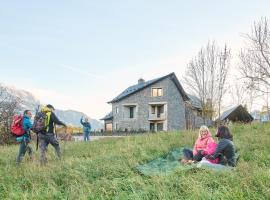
(222, 73)
(9, 105)
(206, 76)
(255, 57)
(238, 91)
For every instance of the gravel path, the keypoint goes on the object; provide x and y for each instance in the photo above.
(92, 138)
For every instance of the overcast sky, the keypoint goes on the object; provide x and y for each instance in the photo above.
(81, 54)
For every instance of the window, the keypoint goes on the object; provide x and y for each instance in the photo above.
(160, 127)
(116, 110)
(153, 109)
(157, 92)
(108, 127)
(160, 110)
(116, 126)
(131, 112)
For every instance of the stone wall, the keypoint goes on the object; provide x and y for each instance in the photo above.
(141, 99)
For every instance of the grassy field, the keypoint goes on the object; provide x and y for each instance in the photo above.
(106, 170)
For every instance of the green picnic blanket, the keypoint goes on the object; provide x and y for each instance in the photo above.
(169, 163)
(165, 165)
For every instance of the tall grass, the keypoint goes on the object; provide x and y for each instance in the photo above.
(105, 169)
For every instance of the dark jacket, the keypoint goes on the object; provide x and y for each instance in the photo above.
(226, 149)
(54, 120)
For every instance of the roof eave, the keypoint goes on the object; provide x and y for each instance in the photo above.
(173, 78)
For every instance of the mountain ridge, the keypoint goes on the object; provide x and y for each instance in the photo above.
(70, 116)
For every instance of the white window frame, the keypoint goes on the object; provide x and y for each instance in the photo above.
(157, 88)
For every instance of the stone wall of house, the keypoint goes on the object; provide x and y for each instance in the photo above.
(175, 108)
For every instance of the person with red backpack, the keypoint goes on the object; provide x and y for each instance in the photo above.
(25, 138)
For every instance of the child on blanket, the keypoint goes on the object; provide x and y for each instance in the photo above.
(204, 145)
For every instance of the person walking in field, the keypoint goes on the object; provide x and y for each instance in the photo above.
(25, 138)
(47, 136)
(86, 128)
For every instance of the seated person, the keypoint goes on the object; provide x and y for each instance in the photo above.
(204, 145)
(225, 150)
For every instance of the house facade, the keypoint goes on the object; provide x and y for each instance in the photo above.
(156, 105)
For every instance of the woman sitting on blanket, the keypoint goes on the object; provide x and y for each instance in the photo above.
(205, 145)
(225, 150)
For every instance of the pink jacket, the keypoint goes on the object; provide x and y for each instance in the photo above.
(211, 148)
(202, 143)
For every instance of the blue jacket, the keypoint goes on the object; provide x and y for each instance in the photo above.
(27, 125)
(86, 126)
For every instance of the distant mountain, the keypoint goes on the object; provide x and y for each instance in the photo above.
(28, 100)
(73, 117)
(70, 117)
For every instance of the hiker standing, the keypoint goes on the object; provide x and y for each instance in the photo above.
(25, 138)
(86, 129)
(47, 136)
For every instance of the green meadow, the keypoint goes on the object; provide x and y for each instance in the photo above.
(105, 169)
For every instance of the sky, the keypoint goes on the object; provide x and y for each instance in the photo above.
(80, 54)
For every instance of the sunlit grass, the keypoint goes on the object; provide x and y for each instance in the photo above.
(105, 169)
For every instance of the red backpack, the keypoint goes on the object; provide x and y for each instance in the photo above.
(17, 125)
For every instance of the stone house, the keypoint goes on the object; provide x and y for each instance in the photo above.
(160, 104)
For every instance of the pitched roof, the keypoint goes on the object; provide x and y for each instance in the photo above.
(195, 101)
(108, 116)
(140, 86)
(236, 113)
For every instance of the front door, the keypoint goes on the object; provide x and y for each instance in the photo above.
(159, 126)
(152, 127)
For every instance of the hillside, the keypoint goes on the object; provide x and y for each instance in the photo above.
(73, 117)
(106, 170)
(70, 117)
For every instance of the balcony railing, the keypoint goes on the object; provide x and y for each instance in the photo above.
(157, 116)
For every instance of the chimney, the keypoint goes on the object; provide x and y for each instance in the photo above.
(140, 81)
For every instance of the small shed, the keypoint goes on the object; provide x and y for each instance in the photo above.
(236, 114)
(108, 122)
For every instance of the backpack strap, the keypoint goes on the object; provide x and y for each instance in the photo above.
(47, 121)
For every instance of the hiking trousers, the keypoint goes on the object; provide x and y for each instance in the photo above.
(24, 147)
(86, 136)
(44, 141)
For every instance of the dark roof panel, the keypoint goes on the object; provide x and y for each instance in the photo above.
(236, 113)
(135, 88)
(108, 116)
(195, 101)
